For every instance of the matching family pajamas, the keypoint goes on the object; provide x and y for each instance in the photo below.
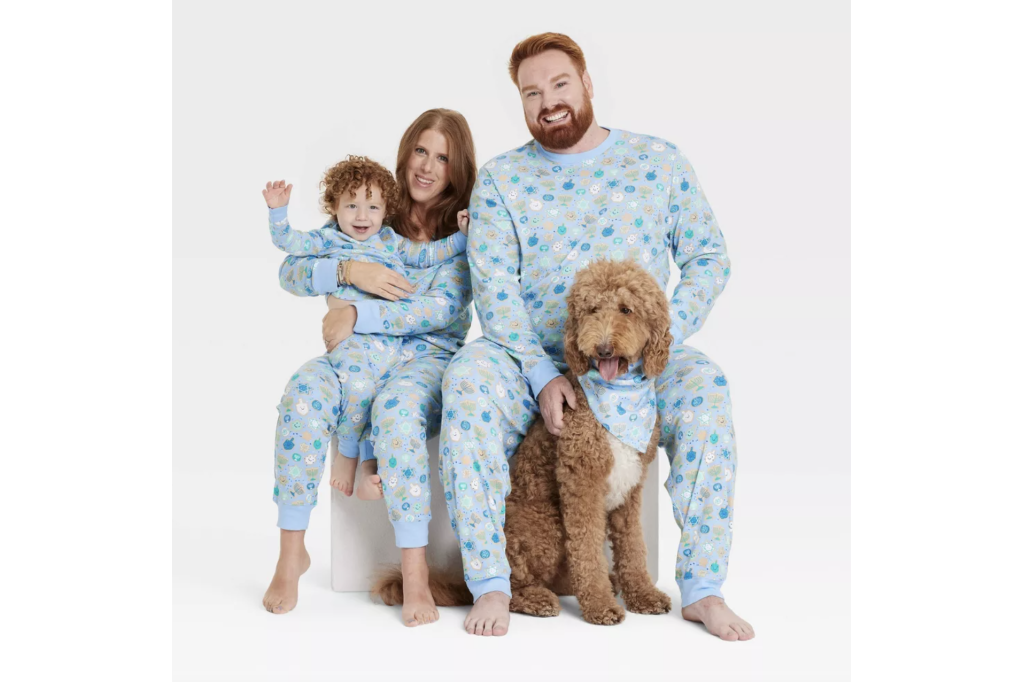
(537, 219)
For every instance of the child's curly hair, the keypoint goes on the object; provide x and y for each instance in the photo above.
(345, 177)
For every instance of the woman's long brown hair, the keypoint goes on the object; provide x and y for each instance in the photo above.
(441, 220)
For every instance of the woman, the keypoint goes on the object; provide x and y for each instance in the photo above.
(435, 173)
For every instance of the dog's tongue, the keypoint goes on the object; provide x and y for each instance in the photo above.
(608, 368)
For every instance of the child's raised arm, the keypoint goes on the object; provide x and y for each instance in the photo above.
(319, 242)
(416, 254)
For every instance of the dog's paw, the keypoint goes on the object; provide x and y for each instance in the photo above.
(604, 614)
(647, 601)
(535, 601)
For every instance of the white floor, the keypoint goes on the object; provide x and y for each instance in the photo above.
(800, 609)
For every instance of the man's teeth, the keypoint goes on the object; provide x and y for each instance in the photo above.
(556, 117)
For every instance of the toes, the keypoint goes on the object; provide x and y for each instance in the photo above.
(500, 628)
(729, 635)
(488, 627)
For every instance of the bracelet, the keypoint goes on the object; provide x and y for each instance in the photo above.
(340, 272)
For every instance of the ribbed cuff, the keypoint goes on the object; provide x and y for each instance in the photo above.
(410, 534)
(693, 590)
(458, 242)
(541, 375)
(279, 214)
(481, 587)
(367, 318)
(293, 517)
(325, 275)
(366, 451)
(348, 448)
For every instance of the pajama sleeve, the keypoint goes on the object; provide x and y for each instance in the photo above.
(699, 250)
(427, 254)
(448, 297)
(495, 255)
(309, 275)
(319, 242)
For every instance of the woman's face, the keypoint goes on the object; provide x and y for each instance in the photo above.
(427, 170)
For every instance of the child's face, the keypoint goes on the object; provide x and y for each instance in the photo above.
(358, 217)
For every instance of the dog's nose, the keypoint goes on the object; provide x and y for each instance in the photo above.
(605, 350)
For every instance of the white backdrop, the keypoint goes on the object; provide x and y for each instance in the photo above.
(756, 95)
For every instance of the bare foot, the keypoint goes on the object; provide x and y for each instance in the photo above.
(282, 595)
(718, 619)
(370, 487)
(342, 473)
(418, 607)
(489, 615)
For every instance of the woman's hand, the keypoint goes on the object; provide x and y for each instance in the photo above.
(379, 280)
(276, 194)
(338, 325)
(463, 221)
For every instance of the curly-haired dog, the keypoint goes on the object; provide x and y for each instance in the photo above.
(569, 493)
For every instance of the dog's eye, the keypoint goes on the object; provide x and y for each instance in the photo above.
(625, 311)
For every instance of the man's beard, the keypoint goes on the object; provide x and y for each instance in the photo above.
(564, 136)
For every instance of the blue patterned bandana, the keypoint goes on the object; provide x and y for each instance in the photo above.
(626, 407)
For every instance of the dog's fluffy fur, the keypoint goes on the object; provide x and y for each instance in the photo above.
(557, 510)
(556, 517)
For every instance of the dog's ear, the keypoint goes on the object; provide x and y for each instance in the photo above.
(577, 362)
(655, 355)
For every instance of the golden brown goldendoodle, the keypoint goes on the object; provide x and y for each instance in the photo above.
(569, 493)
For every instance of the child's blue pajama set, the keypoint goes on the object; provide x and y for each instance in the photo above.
(387, 375)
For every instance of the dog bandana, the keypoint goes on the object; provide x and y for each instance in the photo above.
(626, 407)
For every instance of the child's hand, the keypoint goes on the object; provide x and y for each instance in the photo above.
(276, 194)
(463, 220)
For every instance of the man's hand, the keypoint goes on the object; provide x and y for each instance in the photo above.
(552, 399)
(338, 325)
(277, 194)
(463, 221)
